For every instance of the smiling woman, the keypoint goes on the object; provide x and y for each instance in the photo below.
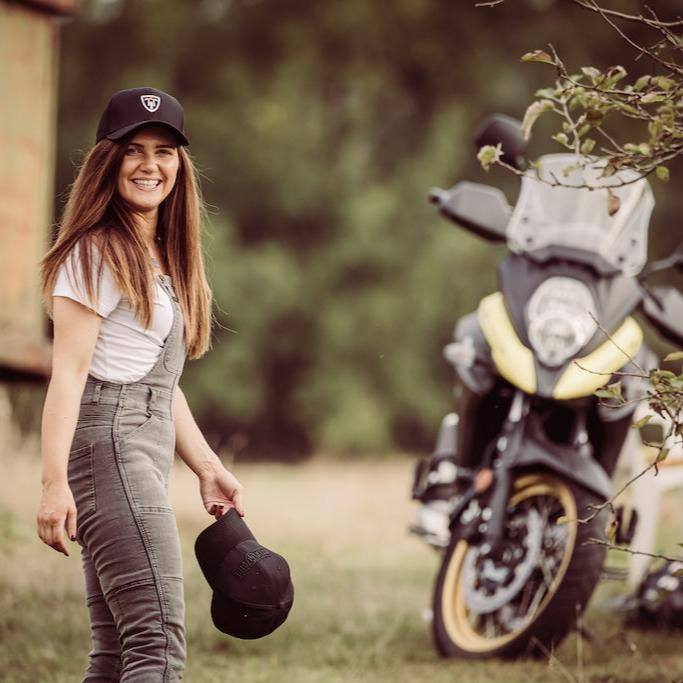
(126, 288)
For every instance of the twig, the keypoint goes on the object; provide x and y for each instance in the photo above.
(609, 336)
(632, 43)
(639, 19)
(579, 644)
(552, 659)
(622, 549)
(611, 374)
(597, 509)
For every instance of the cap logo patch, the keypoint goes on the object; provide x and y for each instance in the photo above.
(150, 102)
(250, 560)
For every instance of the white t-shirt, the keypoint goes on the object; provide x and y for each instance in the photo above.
(125, 351)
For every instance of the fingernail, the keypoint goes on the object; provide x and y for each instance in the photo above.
(73, 537)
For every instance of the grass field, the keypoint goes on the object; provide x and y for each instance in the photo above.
(362, 589)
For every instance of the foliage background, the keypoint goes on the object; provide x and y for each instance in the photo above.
(319, 128)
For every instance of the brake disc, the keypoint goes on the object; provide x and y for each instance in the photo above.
(488, 584)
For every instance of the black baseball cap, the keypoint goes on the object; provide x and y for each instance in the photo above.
(252, 586)
(130, 109)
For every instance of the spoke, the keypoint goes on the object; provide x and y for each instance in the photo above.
(474, 620)
(490, 626)
(547, 573)
(538, 597)
(522, 610)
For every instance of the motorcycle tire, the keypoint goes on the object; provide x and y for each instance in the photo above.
(477, 618)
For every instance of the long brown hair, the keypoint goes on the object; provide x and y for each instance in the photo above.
(95, 215)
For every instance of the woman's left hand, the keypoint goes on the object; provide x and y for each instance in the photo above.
(220, 490)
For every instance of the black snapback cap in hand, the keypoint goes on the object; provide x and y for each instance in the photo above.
(252, 586)
(130, 109)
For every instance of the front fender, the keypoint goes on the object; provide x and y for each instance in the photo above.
(567, 461)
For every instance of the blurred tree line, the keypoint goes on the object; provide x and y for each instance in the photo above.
(319, 128)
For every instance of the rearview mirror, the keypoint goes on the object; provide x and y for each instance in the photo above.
(674, 260)
(480, 209)
(678, 252)
(506, 131)
(664, 309)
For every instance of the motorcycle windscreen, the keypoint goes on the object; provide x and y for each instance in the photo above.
(610, 220)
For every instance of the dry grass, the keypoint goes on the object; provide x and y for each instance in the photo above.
(362, 585)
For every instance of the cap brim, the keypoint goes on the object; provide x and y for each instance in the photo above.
(246, 621)
(121, 132)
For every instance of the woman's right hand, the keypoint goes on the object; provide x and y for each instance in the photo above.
(57, 511)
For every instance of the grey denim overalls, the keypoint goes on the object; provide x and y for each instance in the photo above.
(119, 464)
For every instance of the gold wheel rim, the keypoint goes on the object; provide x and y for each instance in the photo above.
(453, 607)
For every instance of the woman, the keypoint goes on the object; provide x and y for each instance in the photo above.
(129, 299)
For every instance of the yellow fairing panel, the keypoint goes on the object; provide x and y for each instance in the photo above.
(514, 361)
(597, 367)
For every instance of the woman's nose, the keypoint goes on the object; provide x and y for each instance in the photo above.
(148, 162)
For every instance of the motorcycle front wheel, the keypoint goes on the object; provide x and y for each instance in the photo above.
(527, 598)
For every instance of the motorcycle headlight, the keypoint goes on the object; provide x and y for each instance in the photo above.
(560, 323)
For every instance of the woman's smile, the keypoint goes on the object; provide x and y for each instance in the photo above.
(147, 185)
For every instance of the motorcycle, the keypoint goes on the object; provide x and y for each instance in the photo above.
(511, 494)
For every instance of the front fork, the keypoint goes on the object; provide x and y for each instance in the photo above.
(498, 477)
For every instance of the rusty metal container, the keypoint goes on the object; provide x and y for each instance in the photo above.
(29, 34)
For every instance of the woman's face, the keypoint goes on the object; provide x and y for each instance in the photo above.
(149, 168)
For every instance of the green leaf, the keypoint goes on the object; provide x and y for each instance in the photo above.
(587, 146)
(594, 74)
(613, 203)
(546, 93)
(627, 108)
(561, 138)
(489, 155)
(641, 83)
(663, 452)
(663, 174)
(538, 56)
(614, 75)
(610, 391)
(534, 110)
(663, 82)
(676, 355)
(594, 117)
(652, 97)
(642, 422)
(608, 171)
(611, 529)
